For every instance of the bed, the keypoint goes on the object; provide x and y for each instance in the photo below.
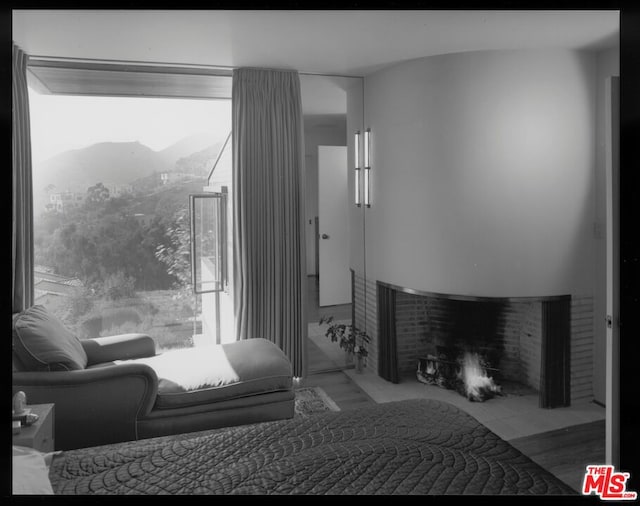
(406, 447)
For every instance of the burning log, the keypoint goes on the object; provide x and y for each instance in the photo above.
(437, 371)
(427, 370)
(468, 375)
(478, 385)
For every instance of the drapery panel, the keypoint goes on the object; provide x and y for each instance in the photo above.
(387, 339)
(268, 206)
(555, 368)
(21, 196)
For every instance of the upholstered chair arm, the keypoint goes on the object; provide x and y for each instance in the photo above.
(120, 347)
(94, 406)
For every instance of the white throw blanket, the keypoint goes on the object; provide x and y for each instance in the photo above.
(191, 368)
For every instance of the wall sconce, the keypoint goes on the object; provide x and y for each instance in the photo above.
(357, 168)
(367, 167)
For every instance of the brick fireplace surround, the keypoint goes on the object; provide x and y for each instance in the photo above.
(544, 343)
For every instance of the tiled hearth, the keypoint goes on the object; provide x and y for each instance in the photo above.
(510, 416)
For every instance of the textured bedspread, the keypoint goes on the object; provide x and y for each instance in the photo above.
(404, 447)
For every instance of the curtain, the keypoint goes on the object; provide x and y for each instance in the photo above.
(555, 367)
(268, 206)
(21, 196)
(387, 345)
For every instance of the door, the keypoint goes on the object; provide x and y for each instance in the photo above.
(612, 424)
(316, 228)
(333, 213)
(209, 273)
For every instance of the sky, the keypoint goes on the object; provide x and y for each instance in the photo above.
(60, 123)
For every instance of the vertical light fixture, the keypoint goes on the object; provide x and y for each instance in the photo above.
(357, 168)
(367, 167)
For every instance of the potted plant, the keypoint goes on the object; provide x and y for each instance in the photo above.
(350, 339)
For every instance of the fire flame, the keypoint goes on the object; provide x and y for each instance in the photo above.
(477, 383)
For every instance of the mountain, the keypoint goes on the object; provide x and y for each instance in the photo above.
(116, 163)
(189, 145)
(200, 162)
(107, 162)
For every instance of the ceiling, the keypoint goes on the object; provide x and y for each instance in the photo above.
(345, 42)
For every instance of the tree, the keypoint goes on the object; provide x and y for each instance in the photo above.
(175, 253)
(79, 304)
(97, 194)
(118, 286)
(103, 237)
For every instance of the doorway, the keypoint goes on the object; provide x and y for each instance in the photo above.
(612, 101)
(333, 244)
(325, 135)
(332, 108)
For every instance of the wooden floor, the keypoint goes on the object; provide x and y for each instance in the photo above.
(323, 371)
(565, 452)
(345, 393)
(317, 361)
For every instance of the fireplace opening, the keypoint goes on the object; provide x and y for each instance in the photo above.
(467, 372)
(464, 352)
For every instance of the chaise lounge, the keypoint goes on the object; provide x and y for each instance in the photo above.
(117, 388)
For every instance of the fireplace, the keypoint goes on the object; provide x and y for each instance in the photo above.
(509, 342)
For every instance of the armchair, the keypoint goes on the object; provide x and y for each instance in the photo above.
(99, 404)
(117, 388)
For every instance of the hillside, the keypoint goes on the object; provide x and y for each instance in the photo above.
(200, 162)
(166, 200)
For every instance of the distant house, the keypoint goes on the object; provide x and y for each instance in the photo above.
(117, 190)
(172, 177)
(143, 219)
(63, 201)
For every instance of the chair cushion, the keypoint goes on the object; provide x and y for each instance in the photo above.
(214, 373)
(41, 342)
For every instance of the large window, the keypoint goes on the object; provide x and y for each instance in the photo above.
(111, 183)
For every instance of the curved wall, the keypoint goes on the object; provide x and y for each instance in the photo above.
(483, 173)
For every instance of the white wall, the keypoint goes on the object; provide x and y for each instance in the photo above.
(608, 64)
(327, 130)
(483, 173)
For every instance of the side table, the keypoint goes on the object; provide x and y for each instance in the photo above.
(39, 435)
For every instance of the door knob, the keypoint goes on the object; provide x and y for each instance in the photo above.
(325, 236)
